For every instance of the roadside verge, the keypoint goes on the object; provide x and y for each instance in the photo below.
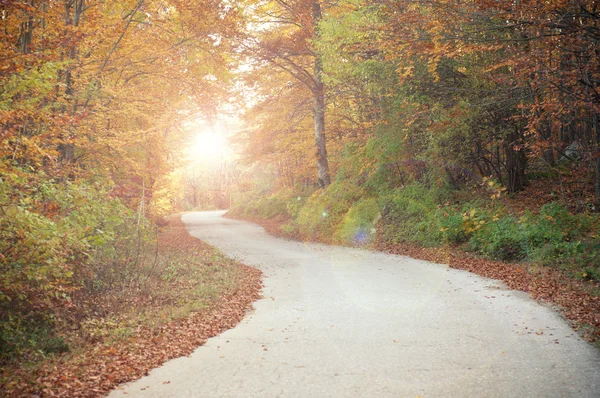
(190, 293)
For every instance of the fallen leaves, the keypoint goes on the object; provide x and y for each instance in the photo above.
(98, 368)
(574, 299)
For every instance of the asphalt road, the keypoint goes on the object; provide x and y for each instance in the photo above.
(341, 322)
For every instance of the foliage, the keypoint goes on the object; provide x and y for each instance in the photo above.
(324, 210)
(457, 226)
(555, 223)
(60, 241)
(92, 98)
(281, 204)
(358, 225)
(500, 240)
(415, 100)
(554, 237)
(408, 214)
(192, 293)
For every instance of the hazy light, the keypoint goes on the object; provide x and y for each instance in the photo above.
(210, 144)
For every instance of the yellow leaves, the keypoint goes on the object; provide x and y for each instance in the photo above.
(472, 222)
(10, 211)
(406, 71)
(508, 63)
(495, 188)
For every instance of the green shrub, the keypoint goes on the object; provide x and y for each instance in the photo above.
(555, 224)
(408, 215)
(500, 240)
(358, 225)
(451, 226)
(323, 211)
(284, 203)
(581, 258)
(57, 238)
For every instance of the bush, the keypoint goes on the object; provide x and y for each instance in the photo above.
(323, 211)
(555, 224)
(408, 215)
(502, 240)
(450, 226)
(358, 225)
(580, 258)
(58, 240)
(284, 204)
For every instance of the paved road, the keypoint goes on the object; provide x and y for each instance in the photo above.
(340, 322)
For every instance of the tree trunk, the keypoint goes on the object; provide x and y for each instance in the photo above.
(597, 160)
(73, 15)
(318, 93)
(516, 164)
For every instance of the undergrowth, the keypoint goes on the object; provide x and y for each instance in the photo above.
(434, 216)
(71, 254)
(182, 277)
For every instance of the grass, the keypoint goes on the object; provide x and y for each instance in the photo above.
(172, 300)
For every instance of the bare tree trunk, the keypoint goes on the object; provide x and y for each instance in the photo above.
(26, 33)
(319, 109)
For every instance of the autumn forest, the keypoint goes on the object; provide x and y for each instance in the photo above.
(469, 126)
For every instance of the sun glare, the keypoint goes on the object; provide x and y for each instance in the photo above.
(209, 145)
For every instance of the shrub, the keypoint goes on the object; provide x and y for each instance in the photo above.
(408, 214)
(358, 225)
(581, 258)
(284, 203)
(262, 207)
(450, 226)
(59, 240)
(500, 240)
(323, 211)
(555, 224)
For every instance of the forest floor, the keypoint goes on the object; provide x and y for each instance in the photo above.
(577, 300)
(199, 294)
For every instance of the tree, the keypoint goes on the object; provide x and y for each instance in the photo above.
(93, 94)
(281, 37)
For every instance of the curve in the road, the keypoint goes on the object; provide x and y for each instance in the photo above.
(343, 322)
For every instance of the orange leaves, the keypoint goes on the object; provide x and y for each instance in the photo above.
(96, 368)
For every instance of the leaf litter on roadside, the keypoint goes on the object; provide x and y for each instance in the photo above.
(194, 294)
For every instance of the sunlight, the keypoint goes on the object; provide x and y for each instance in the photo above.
(209, 144)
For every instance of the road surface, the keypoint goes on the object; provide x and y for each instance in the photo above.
(342, 322)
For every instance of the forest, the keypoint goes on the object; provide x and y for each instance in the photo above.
(464, 124)
(437, 123)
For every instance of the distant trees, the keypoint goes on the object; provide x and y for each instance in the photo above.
(102, 82)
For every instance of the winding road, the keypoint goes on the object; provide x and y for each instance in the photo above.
(343, 322)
